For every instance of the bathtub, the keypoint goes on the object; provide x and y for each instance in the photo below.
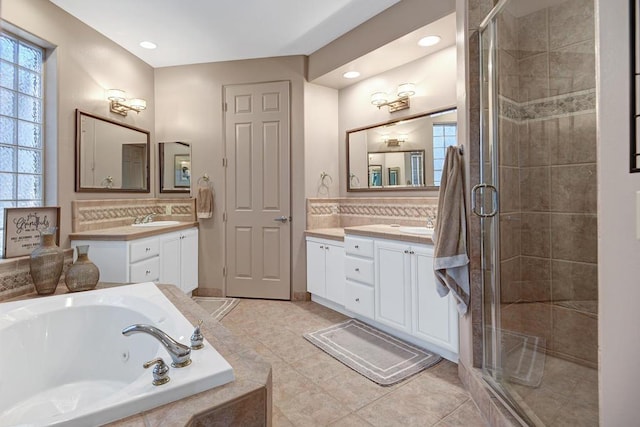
(65, 362)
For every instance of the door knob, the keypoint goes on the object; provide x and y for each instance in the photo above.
(282, 219)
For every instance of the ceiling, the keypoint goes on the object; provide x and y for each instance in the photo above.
(199, 31)
(216, 30)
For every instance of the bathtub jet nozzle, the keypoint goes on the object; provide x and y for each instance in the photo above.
(180, 353)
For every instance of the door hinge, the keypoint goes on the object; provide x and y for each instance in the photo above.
(224, 162)
(224, 217)
(224, 106)
(224, 271)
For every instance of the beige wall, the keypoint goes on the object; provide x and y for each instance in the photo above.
(321, 141)
(618, 248)
(189, 109)
(435, 79)
(79, 69)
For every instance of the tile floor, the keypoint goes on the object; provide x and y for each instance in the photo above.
(310, 388)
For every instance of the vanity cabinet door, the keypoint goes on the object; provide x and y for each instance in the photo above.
(189, 260)
(435, 318)
(316, 277)
(179, 259)
(334, 273)
(393, 285)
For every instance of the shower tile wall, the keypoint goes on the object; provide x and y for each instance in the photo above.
(548, 221)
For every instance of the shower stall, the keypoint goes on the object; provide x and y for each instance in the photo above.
(537, 201)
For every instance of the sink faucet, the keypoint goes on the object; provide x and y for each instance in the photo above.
(147, 218)
(180, 353)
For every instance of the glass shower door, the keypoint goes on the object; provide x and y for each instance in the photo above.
(537, 203)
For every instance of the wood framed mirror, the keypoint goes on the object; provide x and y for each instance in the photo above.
(402, 154)
(110, 156)
(174, 167)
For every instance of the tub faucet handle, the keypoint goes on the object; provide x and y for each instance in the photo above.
(197, 338)
(160, 371)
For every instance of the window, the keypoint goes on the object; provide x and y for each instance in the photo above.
(21, 142)
(444, 135)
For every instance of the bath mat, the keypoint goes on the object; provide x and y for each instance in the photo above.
(218, 307)
(524, 357)
(380, 357)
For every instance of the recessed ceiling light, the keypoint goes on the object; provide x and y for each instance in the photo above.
(148, 45)
(429, 41)
(351, 75)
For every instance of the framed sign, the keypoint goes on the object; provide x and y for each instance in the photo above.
(182, 170)
(22, 228)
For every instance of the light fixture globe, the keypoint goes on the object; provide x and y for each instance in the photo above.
(116, 95)
(406, 89)
(378, 98)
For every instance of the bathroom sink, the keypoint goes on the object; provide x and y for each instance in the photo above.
(157, 224)
(423, 231)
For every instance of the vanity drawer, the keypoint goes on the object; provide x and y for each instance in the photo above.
(358, 246)
(147, 270)
(144, 249)
(359, 299)
(359, 269)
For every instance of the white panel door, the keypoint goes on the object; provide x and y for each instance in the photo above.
(257, 201)
(393, 285)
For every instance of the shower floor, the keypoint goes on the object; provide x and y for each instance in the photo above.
(567, 395)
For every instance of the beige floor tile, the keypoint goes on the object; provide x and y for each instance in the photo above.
(312, 408)
(351, 420)
(574, 414)
(393, 411)
(353, 390)
(279, 420)
(466, 415)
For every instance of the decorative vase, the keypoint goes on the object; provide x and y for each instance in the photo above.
(83, 275)
(46, 262)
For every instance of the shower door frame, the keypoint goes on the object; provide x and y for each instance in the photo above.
(490, 222)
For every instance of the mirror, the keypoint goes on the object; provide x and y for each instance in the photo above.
(175, 167)
(110, 156)
(403, 154)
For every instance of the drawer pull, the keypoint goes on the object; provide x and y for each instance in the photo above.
(357, 299)
(321, 247)
(147, 249)
(357, 246)
(357, 269)
(326, 247)
(148, 272)
(406, 251)
(411, 252)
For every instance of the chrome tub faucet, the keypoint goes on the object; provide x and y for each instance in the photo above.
(180, 353)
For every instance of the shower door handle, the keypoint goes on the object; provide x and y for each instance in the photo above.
(494, 200)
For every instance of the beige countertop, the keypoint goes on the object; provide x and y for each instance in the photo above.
(129, 232)
(381, 231)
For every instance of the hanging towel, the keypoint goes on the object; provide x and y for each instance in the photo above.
(204, 202)
(450, 259)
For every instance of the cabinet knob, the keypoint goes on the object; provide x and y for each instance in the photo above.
(326, 247)
(357, 269)
(406, 251)
(357, 299)
(147, 249)
(321, 247)
(357, 246)
(148, 272)
(411, 252)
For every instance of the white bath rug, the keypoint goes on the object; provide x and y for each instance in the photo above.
(380, 357)
(218, 307)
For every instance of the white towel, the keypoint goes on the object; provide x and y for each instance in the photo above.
(450, 259)
(204, 203)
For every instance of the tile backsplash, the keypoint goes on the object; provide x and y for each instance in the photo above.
(347, 212)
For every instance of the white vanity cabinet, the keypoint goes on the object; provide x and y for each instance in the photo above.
(170, 258)
(179, 256)
(325, 269)
(359, 270)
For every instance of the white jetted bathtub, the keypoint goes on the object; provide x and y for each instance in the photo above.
(65, 362)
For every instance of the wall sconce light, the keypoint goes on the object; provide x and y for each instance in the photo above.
(405, 90)
(395, 142)
(120, 105)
